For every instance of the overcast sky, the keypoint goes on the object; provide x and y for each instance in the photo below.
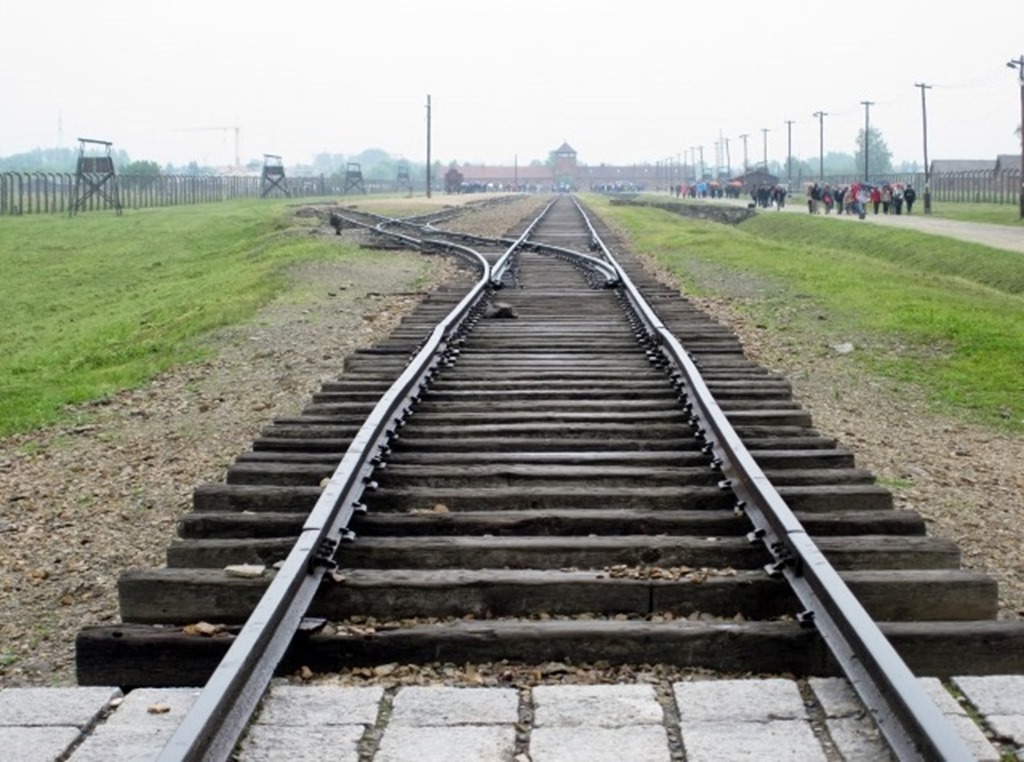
(621, 82)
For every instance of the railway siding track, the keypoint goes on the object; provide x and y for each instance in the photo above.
(551, 495)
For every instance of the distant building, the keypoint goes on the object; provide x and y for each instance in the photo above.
(756, 178)
(952, 166)
(1007, 162)
(563, 172)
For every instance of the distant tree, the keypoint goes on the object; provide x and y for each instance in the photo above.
(838, 163)
(55, 160)
(140, 168)
(328, 163)
(41, 160)
(879, 155)
(371, 156)
(383, 169)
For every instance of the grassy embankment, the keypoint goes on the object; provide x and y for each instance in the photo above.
(98, 303)
(941, 314)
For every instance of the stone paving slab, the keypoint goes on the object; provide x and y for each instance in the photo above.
(777, 740)
(302, 743)
(441, 705)
(607, 706)
(739, 700)
(1000, 700)
(321, 705)
(77, 707)
(452, 743)
(648, 743)
(37, 744)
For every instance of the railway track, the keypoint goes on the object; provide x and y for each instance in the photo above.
(555, 485)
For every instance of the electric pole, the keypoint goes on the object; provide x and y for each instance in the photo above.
(821, 144)
(789, 153)
(1019, 66)
(428, 146)
(867, 108)
(765, 131)
(927, 169)
(744, 139)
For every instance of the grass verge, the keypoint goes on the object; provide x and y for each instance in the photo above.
(98, 303)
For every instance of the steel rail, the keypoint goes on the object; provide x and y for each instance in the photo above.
(217, 719)
(907, 717)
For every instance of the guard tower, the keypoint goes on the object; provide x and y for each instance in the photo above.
(564, 167)
(403, 180)
(353, 178)
(273, 176)
(95, 175)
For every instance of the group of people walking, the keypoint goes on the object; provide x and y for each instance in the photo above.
(859, 197)
(769, 195)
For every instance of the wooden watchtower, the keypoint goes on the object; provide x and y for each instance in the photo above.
(403, 180)
(95, 176)
(353, 178)
(273, 176)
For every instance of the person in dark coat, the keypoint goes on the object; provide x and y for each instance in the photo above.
(909, 197)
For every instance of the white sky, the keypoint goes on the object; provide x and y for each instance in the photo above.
(622, 82)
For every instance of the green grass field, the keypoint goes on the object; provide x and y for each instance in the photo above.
(941, 314)
(98, 303)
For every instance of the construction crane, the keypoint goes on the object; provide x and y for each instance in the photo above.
(235, 129)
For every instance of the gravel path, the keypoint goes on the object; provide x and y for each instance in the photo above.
(83, 501)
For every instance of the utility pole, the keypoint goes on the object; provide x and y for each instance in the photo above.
(821, 144)
(1019, 66)
(867, 108)
(728, 159)
(701, 149)
(744, 139)
(765, 132)
(428, 146)
(927, 170)
(789, 153)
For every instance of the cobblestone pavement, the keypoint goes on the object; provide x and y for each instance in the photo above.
(691, 721)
